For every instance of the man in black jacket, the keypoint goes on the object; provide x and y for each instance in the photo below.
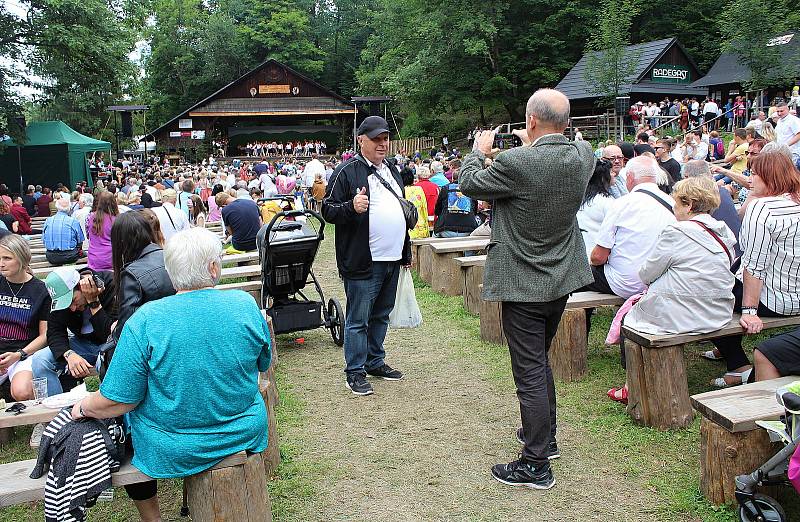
(371, 244)
(85, 309)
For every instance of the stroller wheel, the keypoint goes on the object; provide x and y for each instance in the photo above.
(336, 321)
(770, 510)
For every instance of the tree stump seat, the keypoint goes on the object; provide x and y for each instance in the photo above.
(658, 392)
(445, 272)
(471, 278)
(731, 443)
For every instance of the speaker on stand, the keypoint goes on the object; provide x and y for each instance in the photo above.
(621, 105)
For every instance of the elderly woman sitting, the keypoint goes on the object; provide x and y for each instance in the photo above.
(189, 386)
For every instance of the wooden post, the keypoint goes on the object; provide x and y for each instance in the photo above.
(724, 455)
(491, 322)
(269, 392)
(472, 278)
(6, 434)
(234, 494)
(445, 274)
(658, 393)
(567, 353)
(414, 257)
(425, 271)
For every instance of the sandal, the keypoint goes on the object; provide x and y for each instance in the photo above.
(711, 356)
(619, 394)
(743, 377)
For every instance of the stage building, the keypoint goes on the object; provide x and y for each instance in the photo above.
(272, 102)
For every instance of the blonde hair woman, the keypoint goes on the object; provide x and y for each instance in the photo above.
(24, 307)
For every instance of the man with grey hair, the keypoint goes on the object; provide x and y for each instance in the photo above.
(62, 236)
(536, 261)
(788, 130)
(630, 230)
(726, 212)
(170, 218)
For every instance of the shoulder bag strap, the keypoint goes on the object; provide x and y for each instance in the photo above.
(384, 182)
(715, 236)
(661, 201)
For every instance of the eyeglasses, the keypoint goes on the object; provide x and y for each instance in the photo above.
(614, 158)
(748, 153)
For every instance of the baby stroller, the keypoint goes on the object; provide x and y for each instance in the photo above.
(757, 507)
(287, 246)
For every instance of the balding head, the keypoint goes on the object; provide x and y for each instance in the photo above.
(547, 111)
(641, 169)
(613, 154)
(696, 169)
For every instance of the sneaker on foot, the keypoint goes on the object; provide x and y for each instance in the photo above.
(357, 383)
(520, 473)
(552, 448)
(386, 372)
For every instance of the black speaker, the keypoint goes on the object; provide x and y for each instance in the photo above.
(127, 124)
(622, 104)
(20, 121)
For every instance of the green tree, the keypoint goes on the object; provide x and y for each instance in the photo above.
(743, 35)
(609, 65)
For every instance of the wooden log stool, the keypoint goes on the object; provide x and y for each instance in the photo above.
(269, 392)
(731, 443)
(425, 256)
(471, 278)
(445, 271)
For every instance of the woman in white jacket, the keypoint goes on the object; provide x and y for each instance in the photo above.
(688, 272)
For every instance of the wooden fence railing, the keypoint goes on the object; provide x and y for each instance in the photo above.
(411, 144)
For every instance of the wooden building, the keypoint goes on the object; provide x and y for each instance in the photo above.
(663, 69)
(270, 103)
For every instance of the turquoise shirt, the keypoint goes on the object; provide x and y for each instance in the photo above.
(190, 362)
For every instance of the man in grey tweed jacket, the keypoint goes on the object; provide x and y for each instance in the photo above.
(536, 259)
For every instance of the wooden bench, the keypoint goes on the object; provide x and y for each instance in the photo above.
(730, 442)
(658, 392)
(568, 353)
(421, 254)
(471, 279)
(233, 490)
(445, 272)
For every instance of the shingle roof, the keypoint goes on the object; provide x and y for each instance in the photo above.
(308, 104)
(729, 68)
(574, 84)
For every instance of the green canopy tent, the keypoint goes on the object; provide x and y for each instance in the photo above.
(53, 153)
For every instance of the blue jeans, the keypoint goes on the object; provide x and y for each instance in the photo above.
(450, 233)
(45, 365)
(369, 303)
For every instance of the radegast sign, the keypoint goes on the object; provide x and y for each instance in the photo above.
(665, 73)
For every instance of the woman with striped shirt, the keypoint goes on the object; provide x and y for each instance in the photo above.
(770, 240)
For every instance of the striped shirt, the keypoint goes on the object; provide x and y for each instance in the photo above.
(771, 251)
(62, 232)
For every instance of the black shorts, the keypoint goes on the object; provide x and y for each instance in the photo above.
(783, 351)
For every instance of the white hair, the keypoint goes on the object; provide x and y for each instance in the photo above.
(642, 167)
(188, 256)
(87, 199)
(773, 147)
(62, 204)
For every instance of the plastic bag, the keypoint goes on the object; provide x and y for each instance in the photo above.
(406, 312)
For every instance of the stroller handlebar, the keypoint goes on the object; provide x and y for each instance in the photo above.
(297, 213)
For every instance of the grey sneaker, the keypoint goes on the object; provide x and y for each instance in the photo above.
(520, 473)
(36, 435)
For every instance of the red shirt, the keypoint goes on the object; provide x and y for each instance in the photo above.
(21, 215)
(431, 191)
(43, 205)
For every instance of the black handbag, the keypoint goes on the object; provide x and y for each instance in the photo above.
(409, 210)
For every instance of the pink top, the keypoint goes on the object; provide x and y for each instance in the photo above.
(99, 254)
(214, 213)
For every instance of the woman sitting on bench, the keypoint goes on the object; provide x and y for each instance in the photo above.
(189, 386)
(771, 259)
(24, 307)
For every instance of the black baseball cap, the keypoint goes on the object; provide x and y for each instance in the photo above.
(373, 126)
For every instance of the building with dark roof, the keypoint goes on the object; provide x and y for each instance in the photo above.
(729, 74)
(663, 68)
(272, 102)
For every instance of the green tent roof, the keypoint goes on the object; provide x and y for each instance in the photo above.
(53, 153)
(57, 133)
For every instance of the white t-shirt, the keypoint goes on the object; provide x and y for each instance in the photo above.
(387, 226)
(171, 220)
(787, 127)
(313, 168)
(710, 107)
(590, 217)
(630, 229)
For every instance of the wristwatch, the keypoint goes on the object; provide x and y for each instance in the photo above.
(749, 311)
(94, 305)
(67, 354)
(22, 355)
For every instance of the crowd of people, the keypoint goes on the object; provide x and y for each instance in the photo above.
(273, 149)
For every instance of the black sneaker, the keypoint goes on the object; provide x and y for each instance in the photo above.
(357, 383)
(386, 372)
(520, 473)
(552, 448)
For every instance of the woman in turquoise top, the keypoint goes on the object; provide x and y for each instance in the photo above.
(189, 386)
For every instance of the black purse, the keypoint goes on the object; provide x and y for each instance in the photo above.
(409, 210)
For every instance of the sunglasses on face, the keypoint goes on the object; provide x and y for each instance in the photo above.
(751, 153)
(614, 158)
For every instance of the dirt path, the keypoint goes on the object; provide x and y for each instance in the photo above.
(421, 448)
